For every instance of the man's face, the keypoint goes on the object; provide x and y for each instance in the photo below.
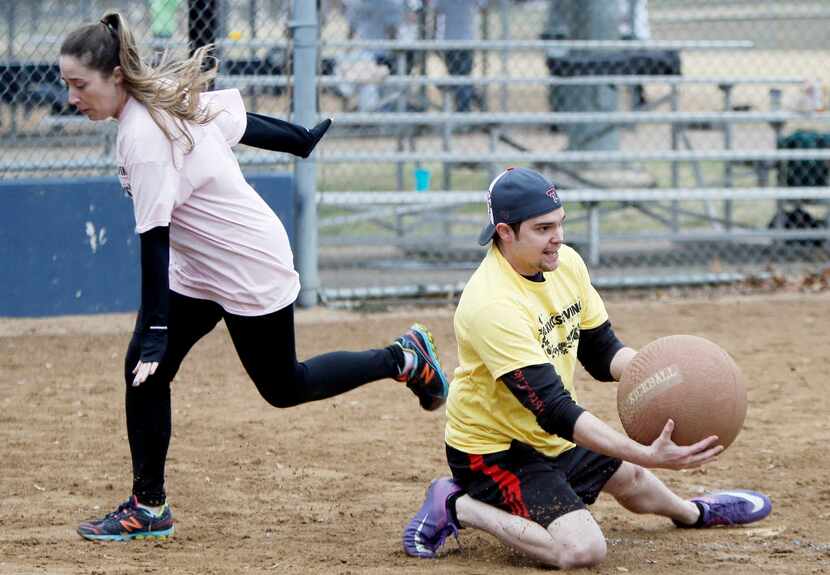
(536, 247)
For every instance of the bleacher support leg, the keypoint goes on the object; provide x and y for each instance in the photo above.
(727, 166)
(593, 233)
(675, 166)
(446, 141)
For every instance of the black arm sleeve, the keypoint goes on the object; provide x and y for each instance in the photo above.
(155, 290)
(539, 388)
(597, 347)
(278, 135)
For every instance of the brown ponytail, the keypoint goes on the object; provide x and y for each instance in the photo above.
(172, 87)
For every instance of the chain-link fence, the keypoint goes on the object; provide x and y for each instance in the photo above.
(43, 136)
(689, 138)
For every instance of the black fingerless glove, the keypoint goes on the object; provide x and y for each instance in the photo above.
(153, 344)
(278, 135)
(155, 293)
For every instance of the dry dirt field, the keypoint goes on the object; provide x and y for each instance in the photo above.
(328, 487)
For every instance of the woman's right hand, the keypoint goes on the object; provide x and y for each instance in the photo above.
(153, 345)
(665, 453)
(142, 371)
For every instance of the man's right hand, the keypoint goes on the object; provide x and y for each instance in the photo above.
(592, 433)
(665, 453)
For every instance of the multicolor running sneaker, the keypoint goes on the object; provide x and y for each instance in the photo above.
(425, 379)
(426, 532)
(734, 507)
(127, 522)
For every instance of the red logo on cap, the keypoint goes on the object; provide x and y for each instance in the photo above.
(551, 193)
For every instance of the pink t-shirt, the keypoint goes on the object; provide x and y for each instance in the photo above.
(226, 244)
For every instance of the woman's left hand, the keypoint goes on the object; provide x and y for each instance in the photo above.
(142, 371)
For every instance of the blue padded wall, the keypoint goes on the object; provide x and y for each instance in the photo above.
(68, 246)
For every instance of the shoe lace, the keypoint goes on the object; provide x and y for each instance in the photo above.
(120, 510)
(721, 509)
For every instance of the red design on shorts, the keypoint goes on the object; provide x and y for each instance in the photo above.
(509, 485)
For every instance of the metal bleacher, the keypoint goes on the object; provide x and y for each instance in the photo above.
(456, 213)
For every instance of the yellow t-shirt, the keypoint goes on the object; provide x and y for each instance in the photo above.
(505, 322)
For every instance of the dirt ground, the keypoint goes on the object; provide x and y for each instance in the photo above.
(328, 487)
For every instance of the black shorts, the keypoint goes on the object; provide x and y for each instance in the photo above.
(527, 483)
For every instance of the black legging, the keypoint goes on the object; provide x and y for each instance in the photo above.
(265, 345)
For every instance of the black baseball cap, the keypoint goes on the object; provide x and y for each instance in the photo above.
(516, 195)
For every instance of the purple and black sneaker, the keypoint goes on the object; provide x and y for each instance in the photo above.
(734, 507)
(426, 532)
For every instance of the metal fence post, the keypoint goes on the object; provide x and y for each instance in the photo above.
(203, 18)
(10, 54)
(304, 27)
